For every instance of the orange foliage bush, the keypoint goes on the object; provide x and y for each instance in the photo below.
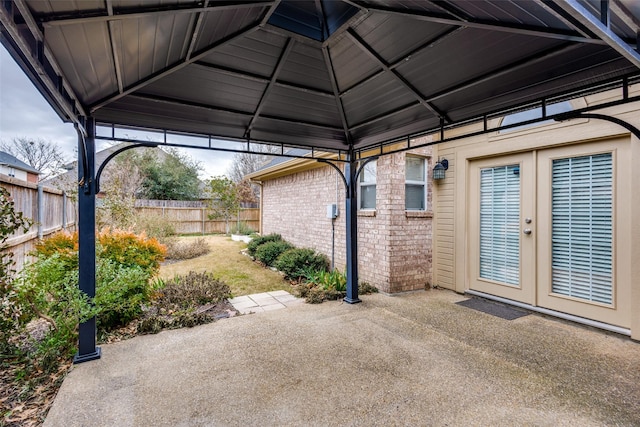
(129, 249)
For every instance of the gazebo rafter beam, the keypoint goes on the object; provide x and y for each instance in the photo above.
(286, 50)
(173, 101)
(263, 79)
(448, 19)
(334, 85)
(398, 77)
(175, 67)
(87, 17)
(600, 29)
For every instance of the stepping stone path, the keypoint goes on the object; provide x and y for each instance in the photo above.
(266, 301)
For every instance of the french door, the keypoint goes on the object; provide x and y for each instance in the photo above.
(542, 230)
(502, 228)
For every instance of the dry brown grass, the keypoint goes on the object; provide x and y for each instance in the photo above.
(226, 263)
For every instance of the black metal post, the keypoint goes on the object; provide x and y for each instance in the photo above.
(351, 209)
(87, 349)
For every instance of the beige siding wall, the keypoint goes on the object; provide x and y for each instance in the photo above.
(451, 249)
(394, 246)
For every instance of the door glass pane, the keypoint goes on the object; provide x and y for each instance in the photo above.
(582, 227)
(500, 224)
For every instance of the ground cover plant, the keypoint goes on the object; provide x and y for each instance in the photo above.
(307, 270)
(226, 263)
(44, 307)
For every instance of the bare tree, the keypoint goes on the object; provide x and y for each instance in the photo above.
(45, 156)
(244, 163)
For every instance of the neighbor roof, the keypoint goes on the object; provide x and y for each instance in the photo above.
(316, 73)
(11, 161)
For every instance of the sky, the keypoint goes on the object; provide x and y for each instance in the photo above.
(25, 113)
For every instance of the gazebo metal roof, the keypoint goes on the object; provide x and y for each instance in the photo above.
(341, 76)
(315, 73)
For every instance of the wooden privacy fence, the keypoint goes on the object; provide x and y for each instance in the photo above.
(195, 220)
(49, 209)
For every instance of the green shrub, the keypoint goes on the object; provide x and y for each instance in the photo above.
(295, 263)
(48, 289)
(267, 253)
(120, 293)
(261, 240)
(187, 249)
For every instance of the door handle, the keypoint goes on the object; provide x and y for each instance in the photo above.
(527, 231)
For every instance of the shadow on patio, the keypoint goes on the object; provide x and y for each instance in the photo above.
(416, 359)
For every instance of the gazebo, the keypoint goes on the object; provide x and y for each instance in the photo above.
(356, 79)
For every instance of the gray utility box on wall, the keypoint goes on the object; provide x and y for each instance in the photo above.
(332, 211)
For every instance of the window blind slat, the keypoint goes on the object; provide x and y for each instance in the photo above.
(500, 224)
(581, 237)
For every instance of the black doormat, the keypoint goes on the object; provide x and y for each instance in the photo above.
(494, 308)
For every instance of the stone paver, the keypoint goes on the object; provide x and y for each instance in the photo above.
(265, 301)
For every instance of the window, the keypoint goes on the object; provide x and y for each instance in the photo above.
(534, 113)
(367, 187)
(414, 188)
(582, 206)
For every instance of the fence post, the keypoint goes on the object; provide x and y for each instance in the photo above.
(40, 208)
(203, 225)
(64, 210)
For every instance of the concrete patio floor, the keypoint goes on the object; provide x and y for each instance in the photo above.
(416, 359)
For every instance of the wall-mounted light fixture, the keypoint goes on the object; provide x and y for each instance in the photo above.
(438, 170)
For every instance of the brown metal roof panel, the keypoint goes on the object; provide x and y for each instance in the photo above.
(291, 133)
(199, 85)
(351, 64)
(256, 53)
(406, 122)
(218, 24)
(134, 111)
(394, 37)
(295, 105)
(59, 6)
(378, 96)
(511, 11)
(91, 75)
(476, 53)
(149, 44)
(305, 66)
(586, 68)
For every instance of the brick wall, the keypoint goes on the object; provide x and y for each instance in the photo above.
(394, 245)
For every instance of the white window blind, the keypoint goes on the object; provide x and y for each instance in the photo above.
(414, 188)
(500, 224)
(582, 227)
(367, 187)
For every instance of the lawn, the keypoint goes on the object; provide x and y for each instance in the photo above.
(226, 263)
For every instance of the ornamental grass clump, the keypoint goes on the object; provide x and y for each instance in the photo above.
(320, 286)
(185, 301)
(187, 249)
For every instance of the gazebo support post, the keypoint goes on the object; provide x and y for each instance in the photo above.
(87, 349)
(351, 210)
